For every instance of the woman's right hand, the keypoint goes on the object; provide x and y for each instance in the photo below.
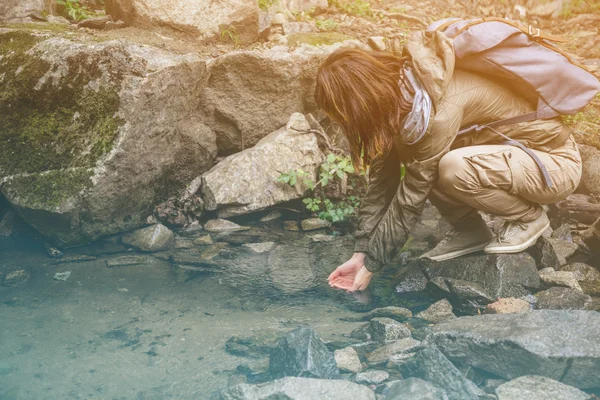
(343, 276)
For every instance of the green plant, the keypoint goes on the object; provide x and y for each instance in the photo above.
(333, 171)
(231, 35)
(265, 4)
(360, 8)
(75, 10)
(326, 24)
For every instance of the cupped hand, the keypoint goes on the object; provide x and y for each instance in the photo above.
(351, 275)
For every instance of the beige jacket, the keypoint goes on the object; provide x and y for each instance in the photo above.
(391, 207)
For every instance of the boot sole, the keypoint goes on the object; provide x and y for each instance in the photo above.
(517, 248)
(457, 253)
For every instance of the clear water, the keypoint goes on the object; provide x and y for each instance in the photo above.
(151, 332)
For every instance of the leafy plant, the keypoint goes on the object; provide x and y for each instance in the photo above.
(326, 24)
(360, 8)
(75, 10)
(231, 35)
(265, 4)
(333, 171)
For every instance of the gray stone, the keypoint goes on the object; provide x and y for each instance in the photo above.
(153, 238)
(298, 389)
(561, 345)
(62, 276)
(95, 22)
(550, 278)
(371, 377)
(19, 9)
(587, 276)
(312, 224)
(272, 216)
(437, 369)
(563, 233)
(437, 312)
(7, 224)
(553, 253)
(247, 181)
(73, 259)
(415, 389)
(383, 354)
(401, 360)
(347, 360)
(302, 353)
(128, 260)
(238, 17)
(291, 226)
(203, 240)
(562, 298)
(260, 247)
(491, 385)
(363, 333)
(53, 19)
(387, 329)
(466, 296)
(16, 278)
(396, 313)
(223, 225)
(590, 178)
(508, 305)
(532, 387)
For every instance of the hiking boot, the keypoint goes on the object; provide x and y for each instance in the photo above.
(517, 236)
(457, 244)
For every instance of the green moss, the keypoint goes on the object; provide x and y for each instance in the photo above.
(38, 26)
(53, 124)
(49, 190)
(316, 39)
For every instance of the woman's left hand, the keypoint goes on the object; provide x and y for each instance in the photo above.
(361, 280)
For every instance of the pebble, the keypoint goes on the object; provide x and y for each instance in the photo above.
(372, 377)
(62, 276)
(347, 360)
(16, 278)
(223, 225)
(203, 240)
(437, 312)
(507, 306)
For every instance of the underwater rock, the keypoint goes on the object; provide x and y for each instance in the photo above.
(239, 16)
(437, 369)
(74, 259)
(562, 298)
(397, 313)
(371, 377)
(437, 312)
(386, 329)
(383, 354)
(258, 345)
(272, 216)
(153, 238)
(302, 353)
(260, 247)
(62, 276)
(550, 278)
(291, 388)
(129, 260)
(532, 387)
(223, 225)
(347, 360)
(507, 306)
(415, 389)
(562, 345)
(7, 224)
(312, 224)
(203, 240)
(16, 278)
(247, 181)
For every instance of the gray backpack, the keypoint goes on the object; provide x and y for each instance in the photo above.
(540, 71)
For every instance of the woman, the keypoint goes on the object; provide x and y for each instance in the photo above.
(408, 111)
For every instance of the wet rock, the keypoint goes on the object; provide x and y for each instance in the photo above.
(16, 278)
(260, 247)
(561, 345)
(223, 225)
(590, 178)
(319, 238)
(403, 362)
(415, 389)
(74, 259)
(533, 387)
(587, 276)
(507, 306)
(550, 278)
(312, 224)
(553, 253)
(248, 181)
(153, 238)
(52, 251)
(129, 260)
(562, 298)
(95, 22)
(182, 243)
(383, 354)
(347, 360)
(255, 346)
(371, 377)
(386, 329)
(491, 385)
(62, 276)
(504, 275)
(411, 279)
(363, 333)
(298, 389)
(302, 353)
(252, 235)
(240, 16)
(17, 9)
(7, 224)
(396, 313)
(437, 369)
(466, 297)
(437, 312)
(203, 240)
(291, 226)
(272, 216)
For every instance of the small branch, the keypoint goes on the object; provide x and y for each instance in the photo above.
(324, 138)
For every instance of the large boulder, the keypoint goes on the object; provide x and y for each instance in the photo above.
(298, 389)
(94, 133)
(234, 20)
(532, 387)
(20, 9)
(562, 345)
(590, 178)
(247, 181)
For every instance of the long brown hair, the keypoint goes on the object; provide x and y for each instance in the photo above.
(359, 90)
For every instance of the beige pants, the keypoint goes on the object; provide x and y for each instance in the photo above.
(504, 181)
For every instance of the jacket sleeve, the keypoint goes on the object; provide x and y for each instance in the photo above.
(384, 177)
(406, 207)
